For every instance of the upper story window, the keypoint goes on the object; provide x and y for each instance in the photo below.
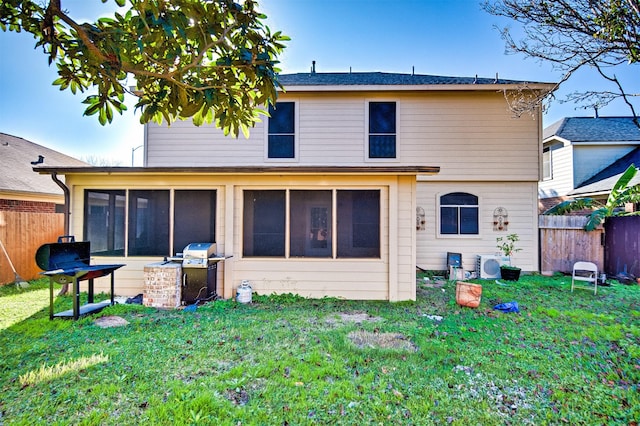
(546, 164)
(282, 134)
(459, 214)
(382, 130)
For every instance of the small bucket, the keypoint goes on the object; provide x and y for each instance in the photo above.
(244, 292)
(468, 294)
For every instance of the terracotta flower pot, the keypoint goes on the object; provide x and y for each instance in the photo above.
(468, 294)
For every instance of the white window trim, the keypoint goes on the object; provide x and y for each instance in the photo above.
(296, 136)
(367, 159)
(458, 236)
(550, 177)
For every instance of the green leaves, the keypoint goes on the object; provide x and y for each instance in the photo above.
(620, 194)
(209, 61)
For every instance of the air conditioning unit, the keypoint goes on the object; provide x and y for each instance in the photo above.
(488, 265)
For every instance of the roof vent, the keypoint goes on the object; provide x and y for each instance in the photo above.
(313, 67)
(496, 80)
(40, 160)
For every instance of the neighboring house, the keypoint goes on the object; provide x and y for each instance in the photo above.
(354, 180)
(584, 156)
(22, 193)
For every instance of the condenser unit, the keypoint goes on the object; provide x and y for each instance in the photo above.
(488, 265)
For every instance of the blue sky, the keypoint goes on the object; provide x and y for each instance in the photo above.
(439, 37)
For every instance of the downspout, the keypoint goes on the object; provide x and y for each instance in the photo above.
(67, 198)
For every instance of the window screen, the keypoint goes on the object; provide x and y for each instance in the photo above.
(264, 223)
(382, 130)
(281, 130)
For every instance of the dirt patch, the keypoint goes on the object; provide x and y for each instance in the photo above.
(367, 339)
(352, 317)
(111, 321)
(237, 396)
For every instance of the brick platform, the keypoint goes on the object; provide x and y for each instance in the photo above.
(162, 285)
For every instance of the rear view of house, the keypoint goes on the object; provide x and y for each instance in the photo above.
(353, 181)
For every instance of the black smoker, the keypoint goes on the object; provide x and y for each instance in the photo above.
(199, 270)
(68, 262)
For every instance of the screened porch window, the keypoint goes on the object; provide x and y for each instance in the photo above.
(104, 212)
(148, 223)
(310, 223)
(310, 234)
(359, 223)
(147, 215)
(194, 218)
(264, 223)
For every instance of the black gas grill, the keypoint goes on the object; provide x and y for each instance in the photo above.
(68, 262)
(199, 270)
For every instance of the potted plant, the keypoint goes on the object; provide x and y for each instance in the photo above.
(507, 245)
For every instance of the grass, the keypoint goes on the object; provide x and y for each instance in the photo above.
(283, 360)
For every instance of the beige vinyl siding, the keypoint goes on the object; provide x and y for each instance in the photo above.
(349, 279)
(471, 135)
(520, 200)
(406, 253)
(184, 144)
(390, 277)
(331, 130)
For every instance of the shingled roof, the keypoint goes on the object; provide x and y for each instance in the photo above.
(384, 79)
(594, 129)
(16, 155)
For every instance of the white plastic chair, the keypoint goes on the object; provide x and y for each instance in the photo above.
(587, 272)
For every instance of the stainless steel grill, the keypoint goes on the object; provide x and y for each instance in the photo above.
(199, 270)
(197, 255)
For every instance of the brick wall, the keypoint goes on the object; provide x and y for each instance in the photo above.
(162, 285)
(27, 206)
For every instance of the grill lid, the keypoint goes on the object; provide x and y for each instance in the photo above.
(63, 255)
(65, 261)
(199, 250)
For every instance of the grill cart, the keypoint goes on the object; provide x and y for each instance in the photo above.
(68, 262)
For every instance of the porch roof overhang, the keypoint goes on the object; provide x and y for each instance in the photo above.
(245, 170)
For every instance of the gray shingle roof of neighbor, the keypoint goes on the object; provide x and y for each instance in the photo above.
(594, 129)
(382, 79)
(16, 155)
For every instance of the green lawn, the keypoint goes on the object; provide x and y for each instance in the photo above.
(564, 359)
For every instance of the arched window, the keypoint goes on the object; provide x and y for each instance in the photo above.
(458, 214)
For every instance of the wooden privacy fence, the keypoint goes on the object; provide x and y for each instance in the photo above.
(22, 233)
(622, 245)
(563, 241)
